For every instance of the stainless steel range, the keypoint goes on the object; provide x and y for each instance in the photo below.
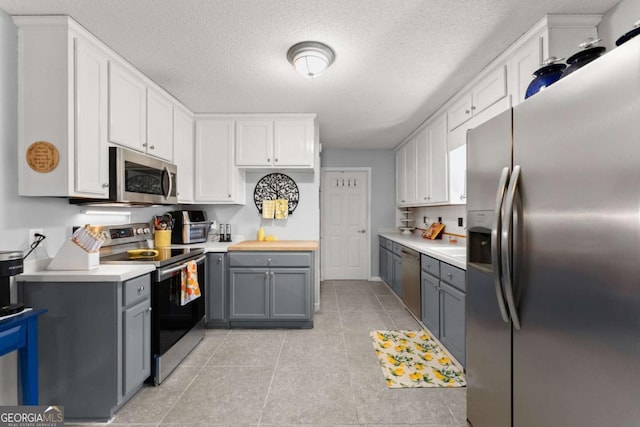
(175, 329)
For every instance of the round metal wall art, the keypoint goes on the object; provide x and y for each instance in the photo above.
(276, 186)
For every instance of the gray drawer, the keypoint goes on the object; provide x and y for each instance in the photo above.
(270, 259)
(136, 290)
(430, 265)
(396, 248)
(383, 241)
(388, 244)
(453, 275)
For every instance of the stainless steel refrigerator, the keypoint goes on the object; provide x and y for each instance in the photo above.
(553, 293)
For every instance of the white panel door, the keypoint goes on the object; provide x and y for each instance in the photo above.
(91, 159)
(345, 216)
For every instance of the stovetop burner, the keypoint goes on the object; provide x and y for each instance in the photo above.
(120, 239)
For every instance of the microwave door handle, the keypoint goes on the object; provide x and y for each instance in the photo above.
(167, 194)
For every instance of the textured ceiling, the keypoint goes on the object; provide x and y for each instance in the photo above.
(397, 61)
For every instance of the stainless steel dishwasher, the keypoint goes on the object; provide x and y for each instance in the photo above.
(411, 281)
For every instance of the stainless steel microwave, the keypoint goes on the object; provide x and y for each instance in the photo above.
(137, 179)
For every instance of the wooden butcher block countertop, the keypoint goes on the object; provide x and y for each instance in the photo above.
(275, 245)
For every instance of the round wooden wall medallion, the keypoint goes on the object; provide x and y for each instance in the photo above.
(42, 156)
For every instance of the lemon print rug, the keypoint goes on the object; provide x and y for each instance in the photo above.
(413, 359)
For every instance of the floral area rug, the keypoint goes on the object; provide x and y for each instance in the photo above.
(413, 359)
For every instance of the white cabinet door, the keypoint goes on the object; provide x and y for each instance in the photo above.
(522, 66)
(217, 180)
(432, 163)
(458, 175)
(159, 125)
(438, 192)
(489, 90)
(183, 149)
(127, 108)
(254, 142)
(293, 143)
(401, 192)
(460, 111)
(406, 178)
(91, 160)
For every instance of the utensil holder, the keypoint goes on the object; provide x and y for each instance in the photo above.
(162, 238)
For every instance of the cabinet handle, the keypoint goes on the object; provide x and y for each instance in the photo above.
(467, 111)
(153, 147)
(105, 185)
(473, 107)
(228, 196)
(144, 145)
(275, 160)
(266, 273)
(140, 289)
(219, 260)
(268, 159)
(462, 197)
(268, 260)
(149, 309)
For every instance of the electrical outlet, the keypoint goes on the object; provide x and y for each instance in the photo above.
(460, 223)
(424, 219)
(32, 234)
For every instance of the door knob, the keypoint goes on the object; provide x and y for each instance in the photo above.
(362, 231)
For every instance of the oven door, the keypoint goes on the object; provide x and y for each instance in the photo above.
(172, 324)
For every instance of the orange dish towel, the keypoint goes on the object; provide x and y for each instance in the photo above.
(189, 289)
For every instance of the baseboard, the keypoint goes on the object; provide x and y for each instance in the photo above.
(375, 279)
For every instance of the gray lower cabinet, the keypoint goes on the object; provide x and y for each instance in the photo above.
(216, 311)
(396, 281)
(382, 263)
(443, 304)
(94, 343)
(270, 289)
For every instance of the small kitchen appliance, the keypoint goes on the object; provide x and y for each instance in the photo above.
(189, 227)
(175, 329)
(11, 264)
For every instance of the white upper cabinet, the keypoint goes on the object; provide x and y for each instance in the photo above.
(486, 92)
(275, 141)
(127, 108)
(406, 174)
(293, 143)
(183, 153)
(217, 179)
(254, 142)
(63, 104)
(159, 125)
(522, 65)
(431, 163)
(458, 175)
(91, 163)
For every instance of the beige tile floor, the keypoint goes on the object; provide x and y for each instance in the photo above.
(325, 376)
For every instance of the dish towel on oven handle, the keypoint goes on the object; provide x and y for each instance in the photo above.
(189, 290)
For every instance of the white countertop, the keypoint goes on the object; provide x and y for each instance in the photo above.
(104, 273)
(434, 248)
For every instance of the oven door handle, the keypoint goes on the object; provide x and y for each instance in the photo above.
(162, 273)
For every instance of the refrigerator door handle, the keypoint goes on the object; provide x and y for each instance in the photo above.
(495, 243)
(507, 224)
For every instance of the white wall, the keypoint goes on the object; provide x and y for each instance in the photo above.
(618, 21)
(245, 220)
(383, 187)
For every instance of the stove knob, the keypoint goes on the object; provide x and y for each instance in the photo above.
(139, 231)
(105, 235)
(147, 230)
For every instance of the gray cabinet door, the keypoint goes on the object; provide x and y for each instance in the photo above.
(452, 320)
(382, 266)
(430, 303)
(248, 293)
(216, 292)
(136, 326)
(290, 292)
(389, 268)
(396, 281)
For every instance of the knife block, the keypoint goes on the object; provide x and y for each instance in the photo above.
(73, 257)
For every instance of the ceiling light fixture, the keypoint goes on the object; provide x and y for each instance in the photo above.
(310, 59)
